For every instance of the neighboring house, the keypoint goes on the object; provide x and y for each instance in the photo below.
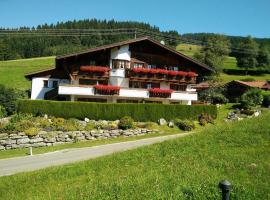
(236, 89)
(138, 70)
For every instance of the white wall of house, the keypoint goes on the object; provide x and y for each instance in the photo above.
(76, 90)
(183, 97)
(38, 90)
(164, 85)
(119, 81)
(121, 53)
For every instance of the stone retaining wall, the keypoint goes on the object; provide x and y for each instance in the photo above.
(20, 140)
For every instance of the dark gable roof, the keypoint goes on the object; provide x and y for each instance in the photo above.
(45, 72)
(134, 41)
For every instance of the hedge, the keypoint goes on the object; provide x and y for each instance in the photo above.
(114, 111)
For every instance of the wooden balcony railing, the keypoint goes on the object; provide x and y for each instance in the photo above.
(170, 77)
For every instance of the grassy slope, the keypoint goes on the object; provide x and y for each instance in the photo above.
(186, 168)
(12, 72)
(230, 63)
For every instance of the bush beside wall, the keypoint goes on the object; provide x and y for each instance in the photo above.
(114, 111)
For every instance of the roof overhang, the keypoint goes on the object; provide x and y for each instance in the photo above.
(110, 46)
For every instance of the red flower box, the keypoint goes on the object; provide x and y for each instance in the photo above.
(182, 73)
(163, 71)
(161, 93)
(106, 89)
(94, 69)
(158, 90)
(192, 74)
(154, 71)
(173, 73)
(136, 70)
(145, 70)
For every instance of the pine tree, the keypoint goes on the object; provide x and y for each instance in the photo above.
(247, 55)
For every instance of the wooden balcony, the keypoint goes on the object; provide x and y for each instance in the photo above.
(159, 77)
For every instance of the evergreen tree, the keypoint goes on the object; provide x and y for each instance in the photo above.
(263, 57)
(214, 53)
(247, 55)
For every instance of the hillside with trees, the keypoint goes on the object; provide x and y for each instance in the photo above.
(72, 36)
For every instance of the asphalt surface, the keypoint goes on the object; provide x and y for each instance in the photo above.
(30, 163)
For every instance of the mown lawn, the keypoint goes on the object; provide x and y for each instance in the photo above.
(227, 78)
(185, 168)
(12, 72)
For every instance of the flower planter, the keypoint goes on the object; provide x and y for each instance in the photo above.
(160, 93)
(96, 69)
(106, 90)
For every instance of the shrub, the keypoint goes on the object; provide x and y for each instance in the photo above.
(58, 123)
(147, 125)
(31, 132)
(42, 122)
(251, 98)
(3, 112)
(115, 111)
(247, 112)
(205, 119)
(266, 100)
(23, 125)
(8, 98)
(72, 125)
(126, 123)
(21, 116)
(90, 126)
(111, 125)
(213, 95)
(185, 125)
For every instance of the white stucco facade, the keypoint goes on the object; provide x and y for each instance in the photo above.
(38, 89)
(120, 53)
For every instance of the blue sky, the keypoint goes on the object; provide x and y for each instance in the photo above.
(231, 17)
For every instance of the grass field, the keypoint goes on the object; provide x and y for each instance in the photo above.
(186, 168)
(12, 72)
(229, 63)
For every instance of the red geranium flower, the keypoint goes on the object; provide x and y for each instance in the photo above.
(173, 73)
(182, 73)
(160, 91)
(163, 71)
(192, 74)
(94, 69)
(108, 88)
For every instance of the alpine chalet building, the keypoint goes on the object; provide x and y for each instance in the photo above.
(134, 71)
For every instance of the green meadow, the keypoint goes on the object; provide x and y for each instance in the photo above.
(184, 168)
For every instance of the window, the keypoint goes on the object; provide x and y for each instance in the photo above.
(138, 65)
(145, 85)
(45, 83)
(120, 64)
(178, 87)
(55, 84)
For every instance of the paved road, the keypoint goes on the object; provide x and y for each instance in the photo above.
(30, 163)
